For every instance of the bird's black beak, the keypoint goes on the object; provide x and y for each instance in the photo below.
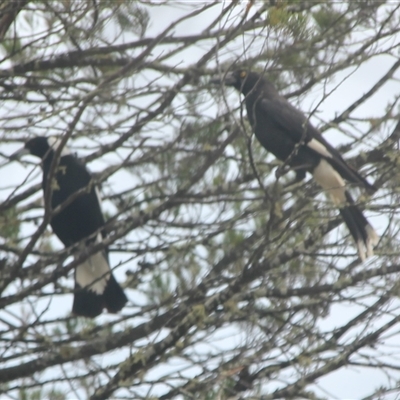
(19, 153)
(228, 80)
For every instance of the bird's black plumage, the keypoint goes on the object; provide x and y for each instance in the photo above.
(285, 131)
(95, 285)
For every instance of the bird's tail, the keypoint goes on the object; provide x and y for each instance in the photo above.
(363, 233)
(113, 296)
(87, 303)
(96, 288)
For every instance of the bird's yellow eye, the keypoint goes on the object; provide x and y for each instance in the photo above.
(243, 74)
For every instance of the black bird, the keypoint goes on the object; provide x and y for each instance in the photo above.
(285, 131)
(95, 285)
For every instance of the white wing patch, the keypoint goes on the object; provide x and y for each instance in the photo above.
(331, 181)
(54, 142)
(372, 235)
(367, 249)
(319, 148)
(96, 190)
(94, 273)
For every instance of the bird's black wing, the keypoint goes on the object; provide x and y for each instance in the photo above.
(83, 216)
(293, 126)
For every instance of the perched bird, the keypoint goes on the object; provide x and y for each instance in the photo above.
(285, 131)
(95, 285)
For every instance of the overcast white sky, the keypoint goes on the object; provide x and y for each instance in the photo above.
(345, 384)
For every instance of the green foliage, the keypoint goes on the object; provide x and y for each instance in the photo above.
(35, 394)
(298, 62)
(10, 224)
(75, 325)
(132, 18)
(233, 238)
(186, 277)
(39, 394)
(11, 46)
(56, 395)
(160, 288)
(294, 23)
(327, 17)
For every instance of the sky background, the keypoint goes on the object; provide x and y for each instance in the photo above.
(349, 383)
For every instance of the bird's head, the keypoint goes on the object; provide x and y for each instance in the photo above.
(40, 147)
(240, 79)
(37, 146)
